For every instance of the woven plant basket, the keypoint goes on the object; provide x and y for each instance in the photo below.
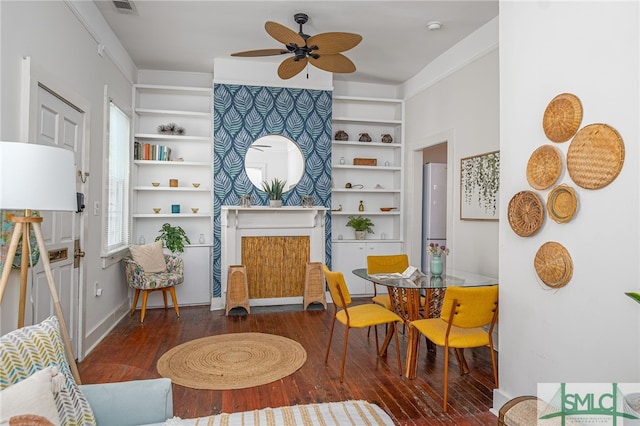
(553, 264)
(595, 156)
(525, 213)
(562, 117)
(544, 167)
(562, 203)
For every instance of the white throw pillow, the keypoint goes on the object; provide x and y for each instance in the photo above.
(33, 395)
(149, 256)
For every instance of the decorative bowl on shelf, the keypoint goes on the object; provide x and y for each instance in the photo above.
(155, 183)
(194, 209)
(387, 209)
(156, 210)
(195, 185)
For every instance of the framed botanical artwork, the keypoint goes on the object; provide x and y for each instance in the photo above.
(480, 186)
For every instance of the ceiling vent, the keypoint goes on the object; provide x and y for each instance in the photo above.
(125, 6)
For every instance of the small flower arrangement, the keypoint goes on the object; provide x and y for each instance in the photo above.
(436, 250)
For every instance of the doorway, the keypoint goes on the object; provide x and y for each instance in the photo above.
(434, 198)
(59, 123)
(435, 148)
(56, 118)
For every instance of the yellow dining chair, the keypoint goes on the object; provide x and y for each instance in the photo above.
(360, 316)
(466, 311)
(385, 264)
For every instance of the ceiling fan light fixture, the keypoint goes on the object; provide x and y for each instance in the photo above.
(324, 49)
(434, 25)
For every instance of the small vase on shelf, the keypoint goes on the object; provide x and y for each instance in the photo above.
(436, 265)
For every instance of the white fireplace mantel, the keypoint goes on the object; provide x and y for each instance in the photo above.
(237, 222)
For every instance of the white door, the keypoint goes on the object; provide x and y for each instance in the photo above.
(59, 124)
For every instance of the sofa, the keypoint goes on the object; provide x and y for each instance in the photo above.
(36, 381)
(26, 352)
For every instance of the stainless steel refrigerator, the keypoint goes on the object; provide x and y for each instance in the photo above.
(434, 208)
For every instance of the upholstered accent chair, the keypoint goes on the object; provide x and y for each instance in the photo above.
(148, 282)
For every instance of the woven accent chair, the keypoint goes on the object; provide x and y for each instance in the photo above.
(385, 264)
(148, 282)
(465, 313)
(361, 316)
(237, 289)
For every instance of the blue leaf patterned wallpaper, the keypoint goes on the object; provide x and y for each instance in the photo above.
(241, 114)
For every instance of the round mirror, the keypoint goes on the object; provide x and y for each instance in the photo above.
(274, 156)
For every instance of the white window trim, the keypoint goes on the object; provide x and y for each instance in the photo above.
(115, 255)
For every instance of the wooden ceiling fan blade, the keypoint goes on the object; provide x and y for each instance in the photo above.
(290, 67)
(260, 52)
(283, 34)
(332, 43)
(337, 63)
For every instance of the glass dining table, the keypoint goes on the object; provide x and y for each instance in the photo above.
(410, 297)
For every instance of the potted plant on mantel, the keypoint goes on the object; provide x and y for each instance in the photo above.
(274, 190)
(173, 238)
(361, 225)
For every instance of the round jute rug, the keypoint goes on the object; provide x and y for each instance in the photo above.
(232, 361)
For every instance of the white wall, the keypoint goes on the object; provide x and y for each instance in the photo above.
(256, 72)
(66, 55)
(587, 331)
(462, 109)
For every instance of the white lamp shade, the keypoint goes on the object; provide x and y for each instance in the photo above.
(36, 177)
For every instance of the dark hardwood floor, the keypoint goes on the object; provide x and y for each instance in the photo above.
(131, 351)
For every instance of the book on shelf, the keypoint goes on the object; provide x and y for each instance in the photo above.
(153, 152)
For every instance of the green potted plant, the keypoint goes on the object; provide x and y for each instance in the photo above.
(274, 190)
(361, 225)
(173, 238)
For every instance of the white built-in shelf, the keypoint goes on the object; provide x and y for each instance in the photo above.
(376, 168)
(367, 240)
(162, 112)
(369, 191)
(366, 213)
(175, 138)
(174, 89)
(377, 117)
(174, 215)
(171, 188)
(171, 163)
(358, 144)
(365, 120)
(367, 100)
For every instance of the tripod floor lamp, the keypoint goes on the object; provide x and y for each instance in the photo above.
(36, 177)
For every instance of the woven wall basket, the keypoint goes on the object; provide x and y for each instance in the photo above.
(562, 117)
(525, 213)
(595, 156)
(544, 167)
(562, 203)
(553, 264)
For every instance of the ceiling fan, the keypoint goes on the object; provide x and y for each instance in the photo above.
(321, 50)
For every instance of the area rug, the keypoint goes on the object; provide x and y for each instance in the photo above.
(360, 413)
(232, 361)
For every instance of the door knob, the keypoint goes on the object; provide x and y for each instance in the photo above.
(78, 253)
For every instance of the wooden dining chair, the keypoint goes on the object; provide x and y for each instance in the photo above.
(360, 316)
(466, 313)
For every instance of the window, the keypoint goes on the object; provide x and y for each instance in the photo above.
(116, 226)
